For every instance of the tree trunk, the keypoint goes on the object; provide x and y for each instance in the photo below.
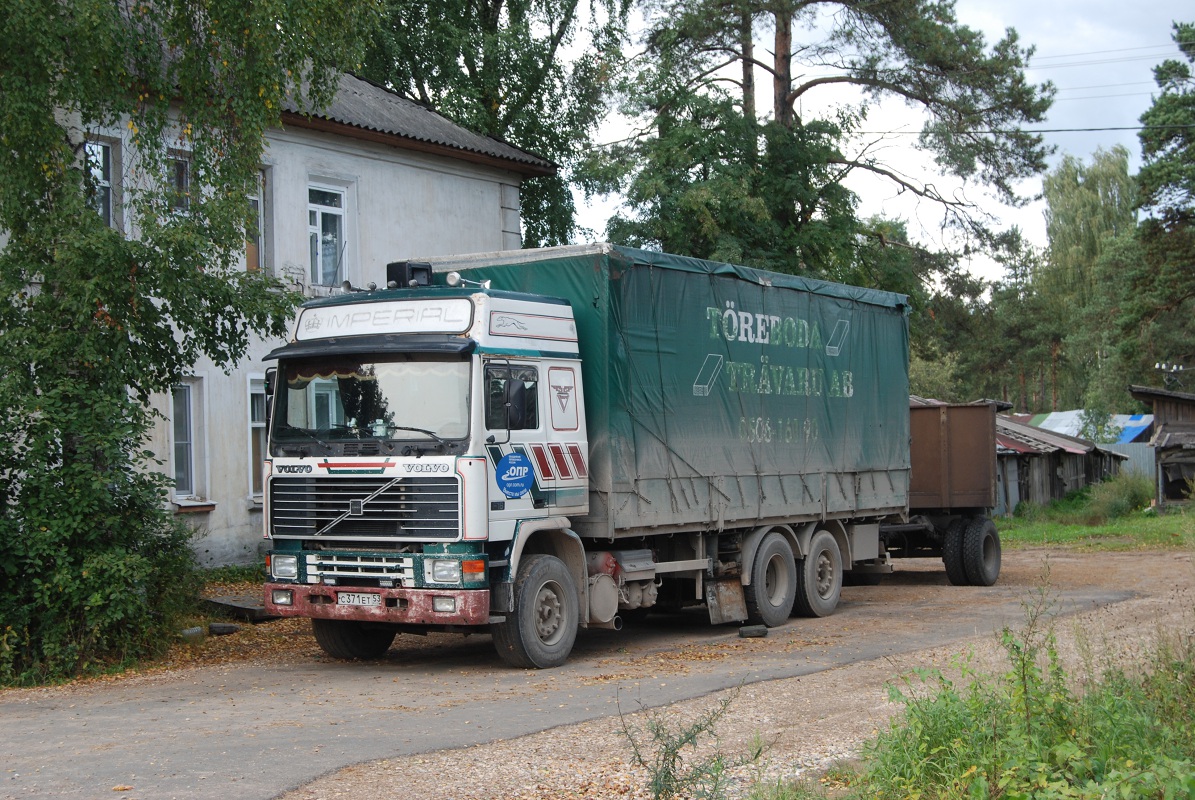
(782, 79)
(748, 47)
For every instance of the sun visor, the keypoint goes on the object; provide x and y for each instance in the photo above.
(379, 343)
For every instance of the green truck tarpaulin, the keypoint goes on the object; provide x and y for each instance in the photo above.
(722, 396)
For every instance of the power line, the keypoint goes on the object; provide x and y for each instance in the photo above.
(1168, 45)
(1043, 130)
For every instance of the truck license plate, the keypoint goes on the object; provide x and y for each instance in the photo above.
(358, 599)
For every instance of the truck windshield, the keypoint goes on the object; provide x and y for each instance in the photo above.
(407, 397)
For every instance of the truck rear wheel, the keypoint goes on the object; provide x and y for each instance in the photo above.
(819, 577)
(952, 553)
(540, 631)
(981, 552)
(347, 639)
(773, 582)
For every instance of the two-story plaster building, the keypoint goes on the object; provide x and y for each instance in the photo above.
(373, 178)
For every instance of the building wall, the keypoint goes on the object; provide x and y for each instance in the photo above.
(399, 205)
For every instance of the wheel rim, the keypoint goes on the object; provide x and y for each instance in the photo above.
(549, 613)
(825, 575)
(776, 580)
(989, 552)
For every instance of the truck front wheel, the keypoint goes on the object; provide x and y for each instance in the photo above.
(819, 577)
(773, 582)
(347, 640)
(540, 631)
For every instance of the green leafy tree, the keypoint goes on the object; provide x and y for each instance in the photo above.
(1089, 206)
(772, 189)
(530, 72)
(1156, 322)
(94, 322)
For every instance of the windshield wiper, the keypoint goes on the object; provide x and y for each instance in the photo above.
(308, 434)
(432, 434)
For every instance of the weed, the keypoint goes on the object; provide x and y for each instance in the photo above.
(1026, 733)
(677, 762)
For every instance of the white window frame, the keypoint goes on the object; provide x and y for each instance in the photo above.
(257, 432)
(179, 196)
(109, 183)
(316, 214)
(197, 428)
(259, 199)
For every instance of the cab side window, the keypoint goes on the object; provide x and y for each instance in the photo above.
(502, 388)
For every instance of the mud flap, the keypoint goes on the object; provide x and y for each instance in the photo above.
(726, 601)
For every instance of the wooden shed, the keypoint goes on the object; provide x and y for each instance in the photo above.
(1038, 466)
(1173, 441)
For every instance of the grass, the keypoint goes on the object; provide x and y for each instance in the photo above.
(1113, 515)
(1138, 531)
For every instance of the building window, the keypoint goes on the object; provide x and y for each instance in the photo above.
(99, 163)
(179, 177)
(183, 430)
(325, 228)
(257, 434)
(253, 236)
(188, 443)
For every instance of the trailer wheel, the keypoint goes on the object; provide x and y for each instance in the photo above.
(981, 552)
(540, 631)
(819, 577)
(348, 639)
(773, 582)
(952, 553)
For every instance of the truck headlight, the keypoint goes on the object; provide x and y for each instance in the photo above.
(286, 567)
(442, 571)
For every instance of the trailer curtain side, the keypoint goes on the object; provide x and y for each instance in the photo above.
(721, 396)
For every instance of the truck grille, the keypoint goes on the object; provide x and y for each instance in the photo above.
(342, 566)
(360, 507)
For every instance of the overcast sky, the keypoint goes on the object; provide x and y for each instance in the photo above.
(1098, 53)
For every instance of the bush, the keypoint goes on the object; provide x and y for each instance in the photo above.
(92, 584)
(1025, 734)
(1119, 497)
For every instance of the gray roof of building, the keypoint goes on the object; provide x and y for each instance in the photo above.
(365, 106)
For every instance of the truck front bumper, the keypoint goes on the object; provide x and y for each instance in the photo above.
(405, 606)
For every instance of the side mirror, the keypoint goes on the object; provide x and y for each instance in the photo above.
(516, 404)
(271, 382)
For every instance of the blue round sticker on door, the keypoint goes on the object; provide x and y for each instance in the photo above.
(515, 475)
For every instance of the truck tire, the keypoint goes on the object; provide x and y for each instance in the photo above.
(540, 631)
(348, 640)
(981, 552)
(773, 585)
(819, 577)
(952, 553)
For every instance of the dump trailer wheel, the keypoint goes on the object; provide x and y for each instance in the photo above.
(348, 639)
(981, 552)
(952, 553)
(773, 582)
(819, 577)
(540, 631)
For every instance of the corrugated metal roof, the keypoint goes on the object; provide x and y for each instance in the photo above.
(1039, 439)
(365, 106)
(1070, 423)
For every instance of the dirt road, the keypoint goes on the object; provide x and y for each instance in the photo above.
(813, 690)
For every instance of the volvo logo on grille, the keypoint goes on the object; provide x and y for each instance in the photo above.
(356, 508)
(293, 469)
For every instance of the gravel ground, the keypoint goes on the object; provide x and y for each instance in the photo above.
(805, 724)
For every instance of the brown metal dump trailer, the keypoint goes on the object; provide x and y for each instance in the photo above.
(952, 489)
